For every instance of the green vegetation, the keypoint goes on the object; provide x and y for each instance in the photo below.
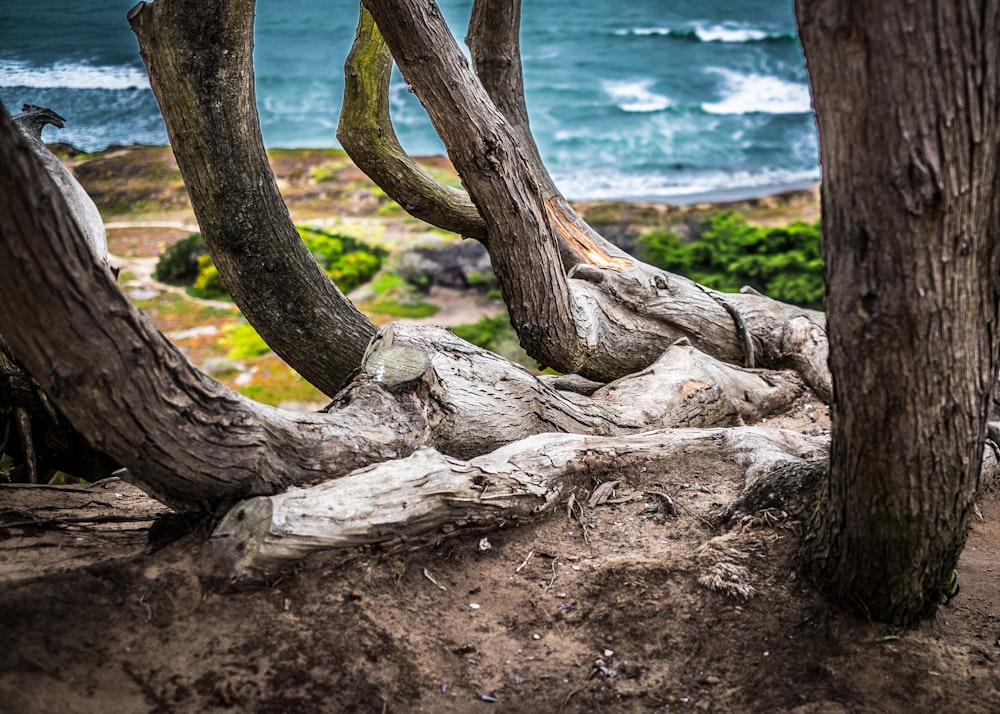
(727, 253)
(496, 334)
(348, 261)
(401, 309)
(179, 263)
(208, 283)
(242, 342)
(329, 171)
(388, 283)
(275, 383)
(171, 312)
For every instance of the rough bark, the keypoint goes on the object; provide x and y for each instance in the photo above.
(907, 102)
(199, 59)
(36, 436)
(495, 47)
(424, 498)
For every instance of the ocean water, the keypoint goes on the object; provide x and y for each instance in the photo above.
(646, 99)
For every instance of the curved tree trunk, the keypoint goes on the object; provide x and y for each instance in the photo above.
(200, 64)
(908, 106)
(495, 46)
(186, 440)
(577, 303)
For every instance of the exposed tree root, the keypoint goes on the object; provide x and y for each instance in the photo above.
(428, 496)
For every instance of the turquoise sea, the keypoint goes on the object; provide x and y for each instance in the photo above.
(645, 99)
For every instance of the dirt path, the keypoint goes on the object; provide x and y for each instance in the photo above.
(455, 307)
(140, 283)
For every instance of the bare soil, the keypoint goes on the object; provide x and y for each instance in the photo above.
(109, 604)
(623, 607)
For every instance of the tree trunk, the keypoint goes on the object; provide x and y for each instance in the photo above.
(907, 104)
(200, 64)
(37, 437)
(365, 131)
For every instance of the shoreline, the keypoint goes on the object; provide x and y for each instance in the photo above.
(736, 194)
(314, 157)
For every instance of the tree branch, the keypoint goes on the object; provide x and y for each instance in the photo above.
(185, 439)
(199, 59)
(367, 135)
(611, 315)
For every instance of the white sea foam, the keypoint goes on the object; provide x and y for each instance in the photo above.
(71, 75)
(635, 95)
(644, 31)
(729, 33)
(748, 93)
(705, 32)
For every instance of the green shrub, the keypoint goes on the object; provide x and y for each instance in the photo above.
(781, 262)
(349, 262)
(179, 263)
(243, 342)
(354, 269)
(209, 283)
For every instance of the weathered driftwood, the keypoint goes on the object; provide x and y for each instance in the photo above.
(427, 496)
(684, 387)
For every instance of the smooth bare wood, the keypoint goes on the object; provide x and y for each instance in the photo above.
(200, 64)
(31, 122)
(426, 497)
(684, 388)
(908, 106)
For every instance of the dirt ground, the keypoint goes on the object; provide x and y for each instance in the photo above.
(623, 607)
(107, 605)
